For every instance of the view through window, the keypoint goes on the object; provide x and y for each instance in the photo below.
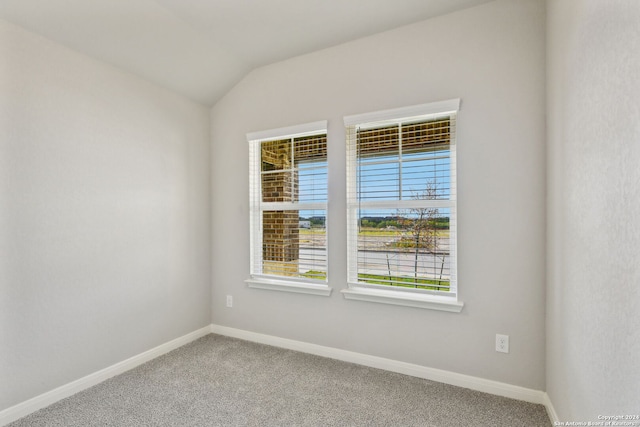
(289, 207)
(402, 203)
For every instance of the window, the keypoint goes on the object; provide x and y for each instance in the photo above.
(401, 204)
(288, 180)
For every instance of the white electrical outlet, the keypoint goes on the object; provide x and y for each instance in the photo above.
(229, 301)
(502, 343)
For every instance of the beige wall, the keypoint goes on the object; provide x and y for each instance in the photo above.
(492, 57)
(105, 203)
(104, 216)
(593, 316)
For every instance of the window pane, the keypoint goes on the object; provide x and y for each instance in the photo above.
(313, 244)
(414, 167)
(428, 178)
(276, 155)
(279, 187)
(407, 248)
(379, 180)
(425, 136)
(311, 164)
(312, 182)
(379, 141)
(294, 243)
(310, 148)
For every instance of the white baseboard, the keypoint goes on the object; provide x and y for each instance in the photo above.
(447, 377)
(25, 408)
(551, 411)
(474, 383)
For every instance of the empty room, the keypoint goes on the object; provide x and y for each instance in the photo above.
(314, 213)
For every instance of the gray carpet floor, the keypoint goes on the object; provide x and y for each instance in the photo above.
(221, 381)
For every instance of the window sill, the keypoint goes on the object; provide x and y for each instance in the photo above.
(431, 302)
(286, 286)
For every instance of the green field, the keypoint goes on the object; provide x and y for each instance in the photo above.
(401, 281)
(373, 232)
(405, 282)
(313, 231)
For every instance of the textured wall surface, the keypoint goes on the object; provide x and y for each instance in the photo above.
(593, 315)
(493, 58)
(104, 216)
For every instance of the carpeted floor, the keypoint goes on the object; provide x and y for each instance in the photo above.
(220, 381)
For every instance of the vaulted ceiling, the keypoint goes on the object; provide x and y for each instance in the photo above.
(201, 48)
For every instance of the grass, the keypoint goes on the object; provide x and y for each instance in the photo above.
(373, 232)
(396, 233)
(313, 231)
(405, 282)
(378, 232)
(401, 281)
(314, 274)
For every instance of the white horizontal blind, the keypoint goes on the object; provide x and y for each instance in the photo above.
(401, 203)
(288, 176)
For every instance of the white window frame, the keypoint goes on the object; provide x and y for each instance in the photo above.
(445, 301)
(257, 206)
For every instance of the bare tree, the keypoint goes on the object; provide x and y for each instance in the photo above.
(421, 222)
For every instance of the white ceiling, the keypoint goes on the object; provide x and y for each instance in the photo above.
(201, 48)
